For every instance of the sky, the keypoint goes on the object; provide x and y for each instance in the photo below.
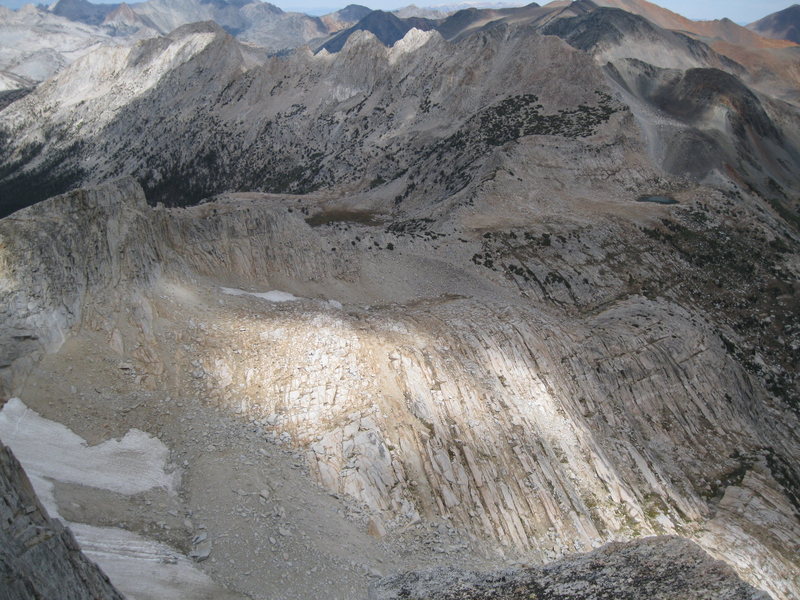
(740, 11)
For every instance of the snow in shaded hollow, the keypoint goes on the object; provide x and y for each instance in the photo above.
(143, 569)
(275, 296)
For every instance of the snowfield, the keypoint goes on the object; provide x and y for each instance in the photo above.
(141, 568)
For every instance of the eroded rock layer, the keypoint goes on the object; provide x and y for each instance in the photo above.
(422, 382)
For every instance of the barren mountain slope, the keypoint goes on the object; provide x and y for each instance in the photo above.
(207, 122)
(256, 22)
(782, 25)
(771, 64)
(543, 371)
(83, 11)
(359, 118)
(723, 29)
(35, 44)
(259, 23)
(510, 298)
(698, 115)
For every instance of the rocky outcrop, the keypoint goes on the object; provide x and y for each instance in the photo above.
(653, 569)
(543, 406)
(99, 243)
(452, 305)
(375, 119)
(39, 557)
(106, 244)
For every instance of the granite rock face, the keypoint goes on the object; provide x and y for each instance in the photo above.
(454, 303)
(39, 557)
(546, 409)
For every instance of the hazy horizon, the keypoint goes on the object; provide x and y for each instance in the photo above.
(740, 11)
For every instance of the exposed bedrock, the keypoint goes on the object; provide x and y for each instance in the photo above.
(541, 427)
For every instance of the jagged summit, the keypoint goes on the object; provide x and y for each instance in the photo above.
(122, 13)
(123, 21)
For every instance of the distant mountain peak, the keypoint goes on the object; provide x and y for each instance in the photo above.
(354, 10)
(387, 27)
(83, 11)
(782, 25)
(199, 27)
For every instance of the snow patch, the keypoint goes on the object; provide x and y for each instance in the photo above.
(140, 568)
(340, 93)
(272, 296)
(48, 449)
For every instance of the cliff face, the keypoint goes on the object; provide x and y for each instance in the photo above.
(94, 244)
(424, 383)
(538, 286)
(39, 557)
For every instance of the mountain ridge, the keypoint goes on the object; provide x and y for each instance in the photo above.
(385, 26)
(782, 25)
(520, 286)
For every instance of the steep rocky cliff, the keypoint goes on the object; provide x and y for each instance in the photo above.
(513, 297)
(39, 557)
(503, 378)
